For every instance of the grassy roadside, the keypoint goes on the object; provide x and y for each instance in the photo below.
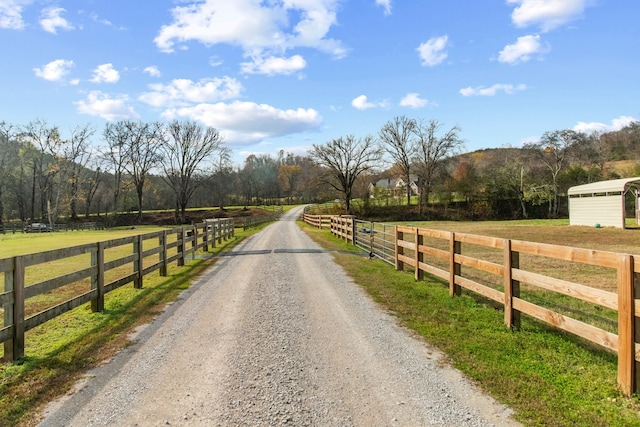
(548, 378)
(59, 352)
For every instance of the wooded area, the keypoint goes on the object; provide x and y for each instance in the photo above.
(135, 166)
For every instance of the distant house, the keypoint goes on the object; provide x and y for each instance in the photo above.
(393, 187)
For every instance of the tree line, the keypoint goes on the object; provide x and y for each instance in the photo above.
(135, 166)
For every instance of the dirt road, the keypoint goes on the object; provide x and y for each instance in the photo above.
(276, 334)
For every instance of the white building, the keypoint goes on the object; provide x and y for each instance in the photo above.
(602, 203)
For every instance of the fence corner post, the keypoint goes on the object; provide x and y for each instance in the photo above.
(626, 325)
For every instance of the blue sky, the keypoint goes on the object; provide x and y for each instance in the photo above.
(287, 74)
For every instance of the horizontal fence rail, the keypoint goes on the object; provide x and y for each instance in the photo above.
(519, 276)
(109, 266)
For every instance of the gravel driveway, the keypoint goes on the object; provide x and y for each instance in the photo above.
(275, 333)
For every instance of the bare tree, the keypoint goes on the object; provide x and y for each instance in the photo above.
(186, 150)
(432, 150)
(344, 159)
(144, 141)
(399, 139)
(116, 155)
(554, 150)
(75, 156)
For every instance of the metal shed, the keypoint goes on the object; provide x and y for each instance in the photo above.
(602, 203)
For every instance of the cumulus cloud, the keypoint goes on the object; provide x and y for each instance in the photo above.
(509, 89)
(261, 29)
(386, 5)
(184, 92)
(105, 73)
(522, 50)
(153, 71)
(55, 70)
(616, 124)
(107, 107)
(432, 52)
(248, 122)
(362, 103)
(413, 100)
(51, 20)
(272, 65)
(547, 14)
(11, 14)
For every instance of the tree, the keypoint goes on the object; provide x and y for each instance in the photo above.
(553, 150)
(288, 175)
(432, 150)
(7, 154)
(143, 145)
(75, 156)
(398, 137)
(116, 155)
(344, 159)
(186, 149)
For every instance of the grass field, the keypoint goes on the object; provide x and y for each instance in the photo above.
(548, 377)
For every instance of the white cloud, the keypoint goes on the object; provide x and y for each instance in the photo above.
(261, 29)
(547, 14)
(153, 71)
(432, 52)
(183, 92)
(616, 124)
(522, 50)
(361, 103)
(248, 122)
(102, 105)
(273, 65)
(386, 5)
(413, 100)
(55, 70)
(11, 14)
(509, 89)
(105, 73)
(51, 20)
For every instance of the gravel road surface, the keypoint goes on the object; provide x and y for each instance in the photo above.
(276, 334)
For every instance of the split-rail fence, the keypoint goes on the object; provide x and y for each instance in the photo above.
(508, 272)
(109, 265)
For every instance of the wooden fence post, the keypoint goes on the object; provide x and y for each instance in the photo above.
(511, 287)
(137, 262)
(14, 313)
(455, 269)
(399, 249)
(626, 325)
(163, 253)
(97, 281)
(419, 256)
(205, 236)
(180, 237)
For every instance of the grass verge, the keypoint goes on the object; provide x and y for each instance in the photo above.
(549, 378)
(60, 351)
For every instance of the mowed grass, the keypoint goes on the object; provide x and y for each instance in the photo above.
(60, 351)
(548, 377)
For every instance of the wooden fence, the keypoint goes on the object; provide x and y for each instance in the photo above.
(109, 265)
(319, 221)
(520, 276)
(253, 221)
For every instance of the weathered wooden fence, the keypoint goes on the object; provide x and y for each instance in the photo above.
(253, 221)
(109, 265)
(517, 275)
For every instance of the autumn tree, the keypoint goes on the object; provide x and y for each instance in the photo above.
(553, 151)
(344, 159)
(186, 151)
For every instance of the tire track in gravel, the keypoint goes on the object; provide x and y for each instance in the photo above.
(279, 336)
